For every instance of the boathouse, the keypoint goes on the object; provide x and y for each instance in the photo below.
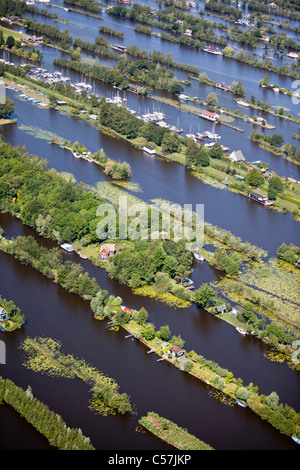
(3, 314)
(148, 149)
(209, 115)
(258, 197)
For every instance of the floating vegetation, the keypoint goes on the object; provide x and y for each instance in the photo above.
(167, 298)
(277, 356)
(226, 118)
(44, 355)
(208, 180)
(277, 282)
(99, 406)
(68, 176)
(129, 186)
(40, 133)
(221, 397)
(108, 190)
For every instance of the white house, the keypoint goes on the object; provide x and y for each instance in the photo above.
(148, 149)
(209, 115)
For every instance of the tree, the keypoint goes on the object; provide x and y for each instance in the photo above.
(148, 332)
(10, 42)
(170, 142)
(265, 81)
(164, 333)
(211, 99)
(228, 51)
(7, 109)
(216, 151)
(272, 400)
(275, 187)
(277, 140)
(205, 296)
(238, 88)
(142, 316)
(254, 177)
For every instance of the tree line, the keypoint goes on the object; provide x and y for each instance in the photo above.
(47, 422)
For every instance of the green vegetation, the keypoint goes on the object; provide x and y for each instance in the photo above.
(171, 433)
(7, 109)
(50, 263)
(290, 254)
(141, 264)
(15, 319)
(47, 422)
(44, 355)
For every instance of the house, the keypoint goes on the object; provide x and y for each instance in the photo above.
(221, 308)
(148, 149)
(133, 87)
(236, 309)
(188, 32)
(176, 351)
(3, 314)
(237, 156)
(107, 250)
(209, 115)
(94, 117)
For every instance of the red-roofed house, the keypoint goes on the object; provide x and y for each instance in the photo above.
(209, 115)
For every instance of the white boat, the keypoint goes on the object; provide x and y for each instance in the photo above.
(67, 247)
(241, 403)
(198, 257)
(295, 438)
(241, 331)
(212, 50)
(243, 103)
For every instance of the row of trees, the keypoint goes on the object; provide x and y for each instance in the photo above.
(47, 422)
(11, 7)
(50, 263)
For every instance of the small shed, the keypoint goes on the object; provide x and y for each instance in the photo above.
(221, 308)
